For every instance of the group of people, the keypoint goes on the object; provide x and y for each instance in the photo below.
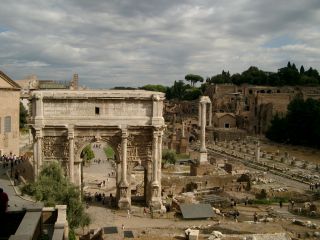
(11, 160)
(96, 145)
(99, 197)
(314, 186)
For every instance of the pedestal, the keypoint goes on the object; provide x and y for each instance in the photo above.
(125, 200)
(156, 202)
(203, 158)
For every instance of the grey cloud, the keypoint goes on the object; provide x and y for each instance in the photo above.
(136, 42)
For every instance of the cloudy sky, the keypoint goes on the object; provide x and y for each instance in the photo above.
(136, 42)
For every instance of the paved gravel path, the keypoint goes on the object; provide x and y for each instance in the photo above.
(16, 202)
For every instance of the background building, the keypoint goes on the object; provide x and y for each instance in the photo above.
(9, 115)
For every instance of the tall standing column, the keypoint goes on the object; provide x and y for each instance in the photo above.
(125, 201)
(203, 156)
(156, 195)
(71, 153)
(258, 152)
(155, 159)
(39, 149)
(210, 114)
(35, 158)
(124, 157)
(203, 127)
(159, 156)
(199, 114)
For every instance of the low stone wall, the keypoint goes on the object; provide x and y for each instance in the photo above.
(200, 170)
(177, 184)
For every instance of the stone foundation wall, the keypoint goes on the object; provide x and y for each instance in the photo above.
(200, 170)
(177, 184)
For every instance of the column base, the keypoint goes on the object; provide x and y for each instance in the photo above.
(124, 204)
(203, 157)
(156, 204)
(125, 196)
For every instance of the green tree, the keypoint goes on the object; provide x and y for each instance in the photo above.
(254, 76)
(193, 79)
(278, 130)
(169, 156)
(177, 91)
(224, 77)
(236, 79)
(301, 124)
(289, 75)
(274, 80)
(192, 94)
(87, 154)
(52, 188)
(156, 88)
(23, 116)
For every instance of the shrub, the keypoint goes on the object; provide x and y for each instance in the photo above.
(169, 156)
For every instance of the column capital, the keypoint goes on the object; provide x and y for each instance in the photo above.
(159, 129)
(70, 132)
(204, 100)
(156, 134)
(70, 135)
(124, 133)
(38, 134)
(38, 96)
(156, 97)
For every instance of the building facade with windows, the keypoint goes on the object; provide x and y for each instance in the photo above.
(9, 115)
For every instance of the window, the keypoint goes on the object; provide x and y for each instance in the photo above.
(226, 125)
(7, 124)
(97, 110)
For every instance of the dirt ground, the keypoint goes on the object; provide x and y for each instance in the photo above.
(143, 226)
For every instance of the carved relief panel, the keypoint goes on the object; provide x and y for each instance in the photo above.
(55, 147)
(140, 146)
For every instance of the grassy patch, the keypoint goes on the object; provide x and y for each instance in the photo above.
(182, 156)
(270, 201)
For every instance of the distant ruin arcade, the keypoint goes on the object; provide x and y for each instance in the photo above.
(131, 122)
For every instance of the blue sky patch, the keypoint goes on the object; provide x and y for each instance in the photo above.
(280, 41)
(3, 29)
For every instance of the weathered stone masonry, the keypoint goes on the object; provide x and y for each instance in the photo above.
(131, 122)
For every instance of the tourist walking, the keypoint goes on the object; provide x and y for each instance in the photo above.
(255, 217)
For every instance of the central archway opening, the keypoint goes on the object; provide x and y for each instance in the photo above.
(99, 174)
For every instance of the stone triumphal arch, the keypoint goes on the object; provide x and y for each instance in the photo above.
(131, 122)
